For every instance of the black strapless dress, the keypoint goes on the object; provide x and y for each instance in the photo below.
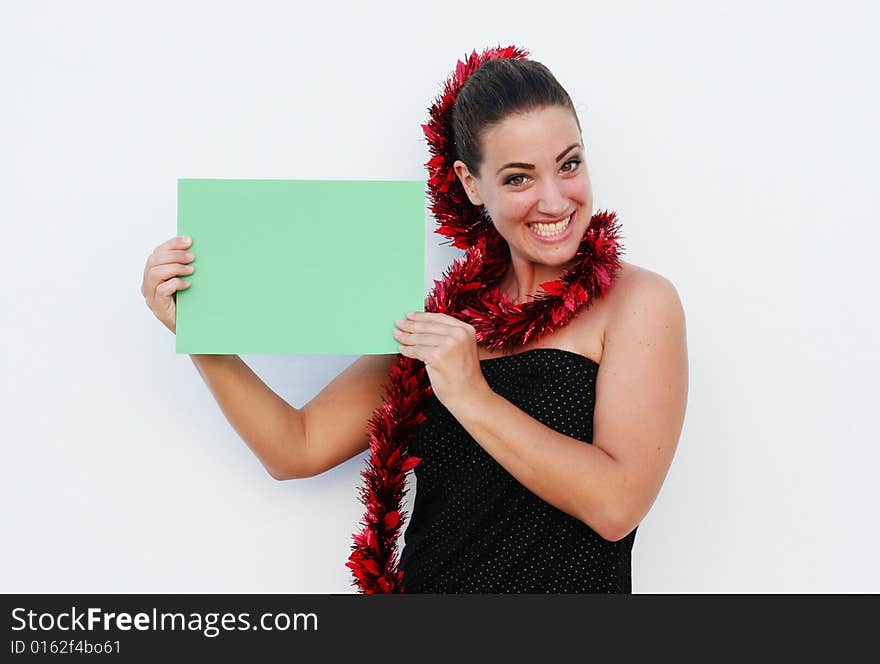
(474, 528)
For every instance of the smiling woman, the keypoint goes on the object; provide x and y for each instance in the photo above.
(534, 467)
(542, 212)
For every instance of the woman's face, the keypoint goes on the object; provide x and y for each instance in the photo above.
(534, 170)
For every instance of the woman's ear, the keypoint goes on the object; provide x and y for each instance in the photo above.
(468, 181)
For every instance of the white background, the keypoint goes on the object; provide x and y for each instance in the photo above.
(738, 146)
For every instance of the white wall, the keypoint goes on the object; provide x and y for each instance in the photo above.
(738, 146)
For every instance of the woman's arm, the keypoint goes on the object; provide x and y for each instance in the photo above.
(641, 396)
(290, 442)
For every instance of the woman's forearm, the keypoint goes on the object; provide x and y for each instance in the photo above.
(271, 427)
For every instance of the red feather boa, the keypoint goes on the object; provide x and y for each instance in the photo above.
(468, 291)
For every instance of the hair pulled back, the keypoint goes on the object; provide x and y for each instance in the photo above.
(497, 89)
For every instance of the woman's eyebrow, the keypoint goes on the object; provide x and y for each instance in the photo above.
(520, 164)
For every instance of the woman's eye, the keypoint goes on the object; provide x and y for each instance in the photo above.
(511, 179)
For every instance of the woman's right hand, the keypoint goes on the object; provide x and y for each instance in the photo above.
(161, 281)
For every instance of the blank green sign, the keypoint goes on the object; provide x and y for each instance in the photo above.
(299, 266)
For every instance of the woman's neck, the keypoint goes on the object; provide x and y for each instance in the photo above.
(523, 279)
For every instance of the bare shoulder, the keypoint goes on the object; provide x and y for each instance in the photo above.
(637, 299)
(632, 277)
(638, 292)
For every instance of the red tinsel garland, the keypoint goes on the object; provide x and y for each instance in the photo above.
(468, 291)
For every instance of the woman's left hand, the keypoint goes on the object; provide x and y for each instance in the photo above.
(448, 347)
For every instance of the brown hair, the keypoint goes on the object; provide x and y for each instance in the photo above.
(495, 90)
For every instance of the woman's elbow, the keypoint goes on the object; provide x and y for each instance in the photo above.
(289, 473)
(617, 532)
(613, 527)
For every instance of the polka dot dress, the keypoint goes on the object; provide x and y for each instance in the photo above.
(474, 528)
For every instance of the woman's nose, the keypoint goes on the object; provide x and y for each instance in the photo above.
(552, 202)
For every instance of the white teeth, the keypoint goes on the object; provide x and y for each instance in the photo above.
(548, 230)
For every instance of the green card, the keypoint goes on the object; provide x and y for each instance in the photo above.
(299, 266)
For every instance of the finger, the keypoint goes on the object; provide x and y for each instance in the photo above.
(172, 256)
(165, 272)
(420, 321)
(411, 351)
(420, 339)
(176, 242)
(163, 265)
(432, 316)
(160, 253)
(424, 326)
(166, 288)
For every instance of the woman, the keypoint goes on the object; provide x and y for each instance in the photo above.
(511, 496)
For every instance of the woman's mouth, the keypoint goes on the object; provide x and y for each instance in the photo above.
(552, 232)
